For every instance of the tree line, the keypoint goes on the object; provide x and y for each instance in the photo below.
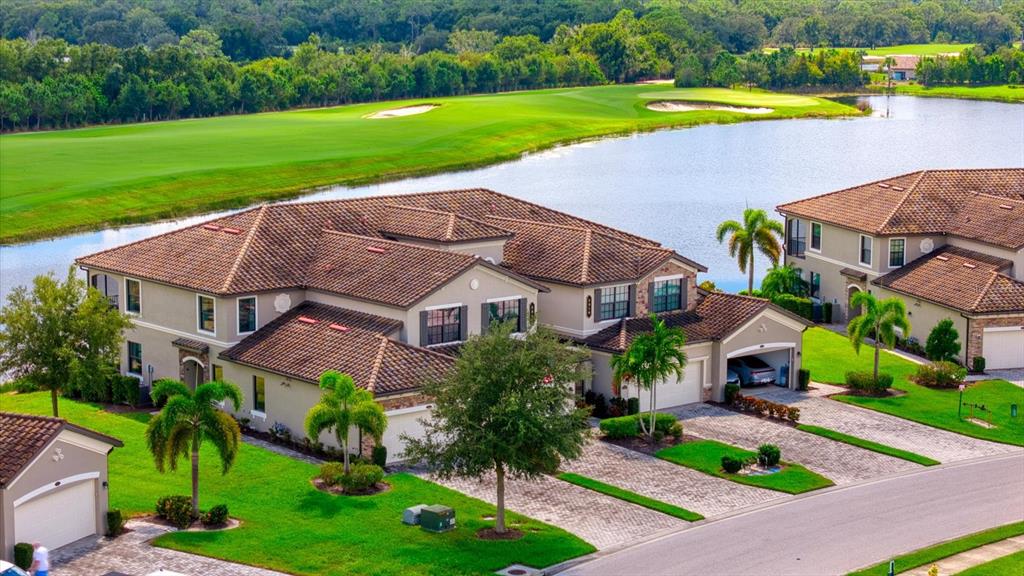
(1004, 66)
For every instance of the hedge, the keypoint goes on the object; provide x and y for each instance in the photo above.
(629, 426)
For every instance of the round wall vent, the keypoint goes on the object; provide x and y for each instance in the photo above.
(927, 245)
(282, 303)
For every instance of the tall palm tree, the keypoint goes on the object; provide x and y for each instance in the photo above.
(186, 420)
(879, 319)
(757, 231)
(342, 406)
(651, 358)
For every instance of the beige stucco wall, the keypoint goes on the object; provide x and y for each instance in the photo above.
(1016, 256)
(924, 315)
(563, 309)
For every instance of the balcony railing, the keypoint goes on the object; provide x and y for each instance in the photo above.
(112, 298)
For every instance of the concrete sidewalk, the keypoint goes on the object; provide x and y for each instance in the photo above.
(971, 558)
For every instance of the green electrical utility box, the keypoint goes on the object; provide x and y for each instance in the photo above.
(437, 518)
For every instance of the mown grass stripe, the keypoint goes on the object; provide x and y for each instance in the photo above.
(867, 445)
(632, 497)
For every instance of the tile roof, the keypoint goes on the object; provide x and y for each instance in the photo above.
(190, 344)
(312, 338)
(23, 437)
(905, 62)
(272, 247)
(716, 316)
(985, 205)
(960, 279)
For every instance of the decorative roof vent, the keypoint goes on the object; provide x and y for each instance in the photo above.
(1006, 207)
(234, 231)
(307, 320)
(969, 265)
(898, 188)
(942, 257)
(339, 327)
(883, 185)
(213, 227)
(376, 249)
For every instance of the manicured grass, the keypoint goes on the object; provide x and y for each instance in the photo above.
(829, 356)
(1009, 564)
(906, 49)
(868, 445)
(628, 496)
(1000, 93)
(945, 549)
(706, 456)
(57, 182)
(288, 525)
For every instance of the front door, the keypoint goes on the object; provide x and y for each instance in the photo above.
(192, 373)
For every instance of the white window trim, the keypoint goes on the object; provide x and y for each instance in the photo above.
(860, 250)
(127, 311)
(604, 290)
(667, 278)
(258, 415)
(238, 317)
(461, 320)
(503, 298)
(444, 306)
(199, 317)
(888, 259)
(810, 237)
(128, 366)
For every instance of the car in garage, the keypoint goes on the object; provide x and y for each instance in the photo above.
(8, 569)
(752, 371)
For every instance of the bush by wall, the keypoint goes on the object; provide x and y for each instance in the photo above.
(629, 426)
(865, 382)
(125, 390)
(731, 390)
(23, 555)
(796, 304)
(803, 379)
(216, 516)
(379, 456)
(978, 364)
(940, 374)
(115, 522)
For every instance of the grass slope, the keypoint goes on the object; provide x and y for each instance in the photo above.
(706, 456)
(944, 550)
(829, 356)
(290, 526)
(868, 445)
(629, 496)
(918, 49)
(61, 181)
(1009, 564)
(998, 93)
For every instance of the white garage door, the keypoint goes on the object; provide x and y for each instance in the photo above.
(676, 392)
(58, 517)
(1003, 348)
(398, 423)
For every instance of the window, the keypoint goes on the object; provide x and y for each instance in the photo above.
(247, 315)
(865, 250)
(667, 295)
(218, 373)
(614, 303)
(815, 285)
(444, 325)
(135, 358)
(106, 286)
(259, 394)
(207, 311)
(815, 236)
(132, 296)
(503, 311)
(797, 239)
(897, 252)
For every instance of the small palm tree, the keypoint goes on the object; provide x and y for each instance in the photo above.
(651, 358)
(342, 406)
(879, 319)
(186, 420)
(783, 280)
(757, 231)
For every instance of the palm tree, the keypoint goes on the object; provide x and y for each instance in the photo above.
(186, 420)
(757, 231)
(879, 320)
(783, 280)
(342, 406)
(651, 358)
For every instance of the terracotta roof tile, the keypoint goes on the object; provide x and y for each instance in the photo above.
(425, 224)
(23, 437)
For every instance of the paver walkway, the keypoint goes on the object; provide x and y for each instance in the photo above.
(601, 520)
(842, 463)
(131, 553)
(941, 445)
(655, 478)
(964, 560)
(1011, 375)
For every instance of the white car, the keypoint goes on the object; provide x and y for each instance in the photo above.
(8, 569)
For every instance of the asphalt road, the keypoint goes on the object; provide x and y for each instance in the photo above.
(838, 530)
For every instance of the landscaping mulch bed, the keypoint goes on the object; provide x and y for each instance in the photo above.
(639, 444)
(196, 526)
(490, 534)
(733, 408)
(891, 393)
(338, 490)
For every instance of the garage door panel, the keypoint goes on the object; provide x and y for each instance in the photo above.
(58, 517)
(672, 392)
(1003, 348)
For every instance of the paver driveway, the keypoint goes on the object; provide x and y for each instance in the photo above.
(702, 493)
(841, 463)
(941, 445)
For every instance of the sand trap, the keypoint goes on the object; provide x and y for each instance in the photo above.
(404, 111)
(682, 106)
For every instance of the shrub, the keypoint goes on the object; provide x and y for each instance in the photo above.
(803, 379)
(600, 406)
(632, 406)
(793, 413)
(175, 509)
(940, 375)
(732, 465)
(676, 430)
(658, 435)
(617, 407)
(379, 456)
(23, 555)
(768, 455)
(796, 304)
(978, 364)
(281, 431)
(362, 477)
(865, 382)
(331, 472)
(943, 342)
(826, 312)
(125, 390)
(629, 426)
(216, 516)
(115, 522)
(731, 391)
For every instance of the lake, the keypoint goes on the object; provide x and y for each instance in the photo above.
(675, 186)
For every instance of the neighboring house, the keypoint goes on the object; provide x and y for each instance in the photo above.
(385, 288)
(949, 242)
(903, 68)
(53, 481)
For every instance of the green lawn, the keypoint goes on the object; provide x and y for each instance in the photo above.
(829, 356)
(1001, 93)
(706, 456)
(868, 445)
(944, 550)
(60, 181)
(290, 526)
(1009, 564)
(906, 49)
(628, 496)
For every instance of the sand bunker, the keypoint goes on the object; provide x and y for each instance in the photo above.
(683, 106)
(404, 111)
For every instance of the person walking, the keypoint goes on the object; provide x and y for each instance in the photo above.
(40, 560)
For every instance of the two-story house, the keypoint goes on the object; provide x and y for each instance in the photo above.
(949, 242)
(387, 288)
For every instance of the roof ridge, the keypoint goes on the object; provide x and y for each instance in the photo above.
(377, 239)
(984, 291)
(597, 231)
(585, 268)
(229, 279)
(371, 382)
(779, 207)
(1000, 198)
(456, 215)
(910, 190)
(450, 231)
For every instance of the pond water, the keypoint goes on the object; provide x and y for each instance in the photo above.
(675, 186)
